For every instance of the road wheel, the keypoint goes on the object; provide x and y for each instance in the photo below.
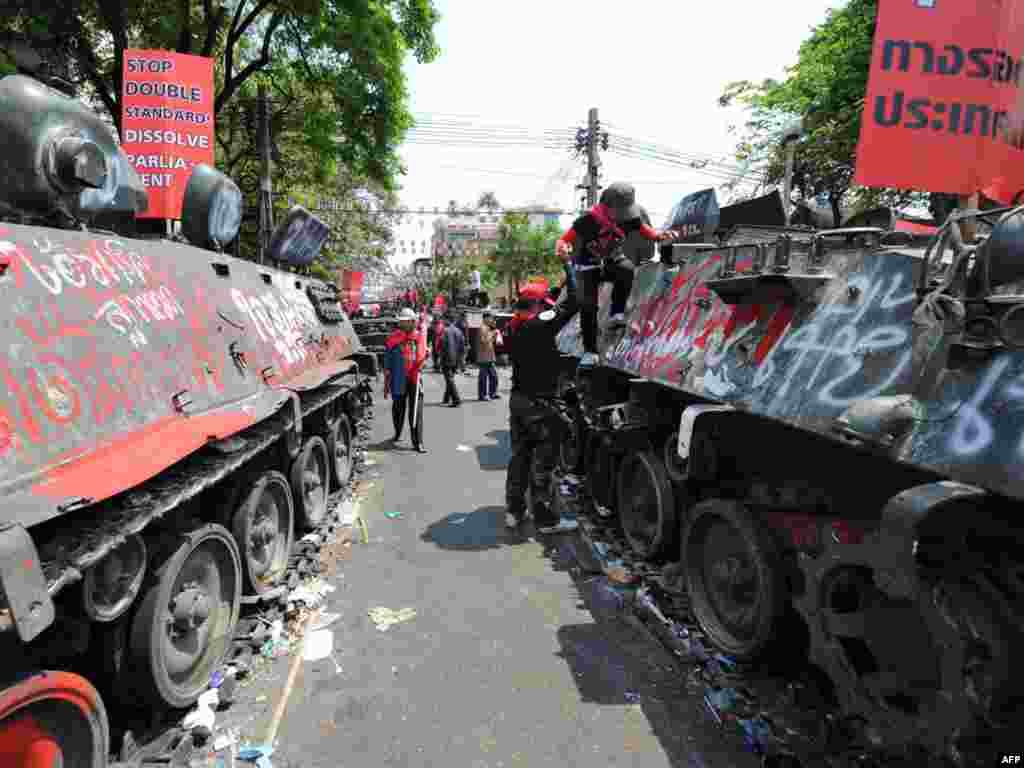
(53, 719)
(186, 619)
(310, 478)
(647, 507)
(734, 576)
(263, 528)
(339, 448)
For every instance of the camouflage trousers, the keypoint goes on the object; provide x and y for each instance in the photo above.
(534, 457)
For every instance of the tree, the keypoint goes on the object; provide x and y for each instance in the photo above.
(826, 88)
(523, 251)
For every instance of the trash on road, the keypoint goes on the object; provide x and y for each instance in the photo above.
(385, 618)
(463, 448)
(319, 645)
(203, 716)
(311, 594)
(225, 739)
(258, 755)
(392, 515)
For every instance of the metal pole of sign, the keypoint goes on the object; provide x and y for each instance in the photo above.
(266, 196)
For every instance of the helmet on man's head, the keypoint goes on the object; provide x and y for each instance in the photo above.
(620, 198)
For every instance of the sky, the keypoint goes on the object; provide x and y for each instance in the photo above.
(653, 68)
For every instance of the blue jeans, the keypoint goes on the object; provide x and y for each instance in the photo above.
(487, 381)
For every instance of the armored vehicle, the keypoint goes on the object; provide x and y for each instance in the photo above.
(807, 445)
(171, 420)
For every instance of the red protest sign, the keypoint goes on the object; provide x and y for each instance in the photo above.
(166, 123)
(942, 112)
(351, 286)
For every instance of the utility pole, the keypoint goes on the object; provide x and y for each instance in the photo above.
(266, 207)
(593, 162)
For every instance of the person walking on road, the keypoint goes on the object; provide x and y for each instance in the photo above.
(487, 379)
(463, 325)
(453, 349)
(402, 362)
(535, 365)
(437, 341)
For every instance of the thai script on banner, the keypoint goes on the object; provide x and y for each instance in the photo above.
(943, 108)
(166, 123)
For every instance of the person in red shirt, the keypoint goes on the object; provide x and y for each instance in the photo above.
(402, 366)
(598, 236)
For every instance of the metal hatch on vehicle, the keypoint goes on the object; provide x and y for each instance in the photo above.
(773, 281)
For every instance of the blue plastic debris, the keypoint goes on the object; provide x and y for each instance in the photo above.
(727, 661)
(258, 755)
(719, 700)
(216, 679)
(756, 734)
(632, 697)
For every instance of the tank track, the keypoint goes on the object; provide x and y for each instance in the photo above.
(783, 707)
(83, 542)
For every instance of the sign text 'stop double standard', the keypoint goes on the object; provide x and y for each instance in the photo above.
(167, 123)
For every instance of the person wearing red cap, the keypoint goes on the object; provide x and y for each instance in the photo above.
(533, 350)
(598, 236)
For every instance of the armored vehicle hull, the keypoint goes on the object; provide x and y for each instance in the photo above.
(797, 453)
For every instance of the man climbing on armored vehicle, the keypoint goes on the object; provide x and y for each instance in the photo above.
(535, 366)
(598, 257)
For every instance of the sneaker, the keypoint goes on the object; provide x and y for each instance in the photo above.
(511, 521)
(589, 360)
(419, 449)
(495, 396)
(562, 526)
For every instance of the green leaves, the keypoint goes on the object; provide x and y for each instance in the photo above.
(523, 251)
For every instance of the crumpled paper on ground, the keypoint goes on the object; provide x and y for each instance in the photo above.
(311, 594)
(385, 618)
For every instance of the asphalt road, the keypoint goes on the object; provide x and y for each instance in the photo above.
(508, 662)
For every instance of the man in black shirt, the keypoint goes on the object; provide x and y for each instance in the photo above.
(535, 364)
(599, 236)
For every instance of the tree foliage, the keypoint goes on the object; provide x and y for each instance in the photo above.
(523, 251)
(826, 88)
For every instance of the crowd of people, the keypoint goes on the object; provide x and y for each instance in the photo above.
(605, 244)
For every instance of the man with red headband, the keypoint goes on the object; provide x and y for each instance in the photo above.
(535, 365)
(598, 257)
